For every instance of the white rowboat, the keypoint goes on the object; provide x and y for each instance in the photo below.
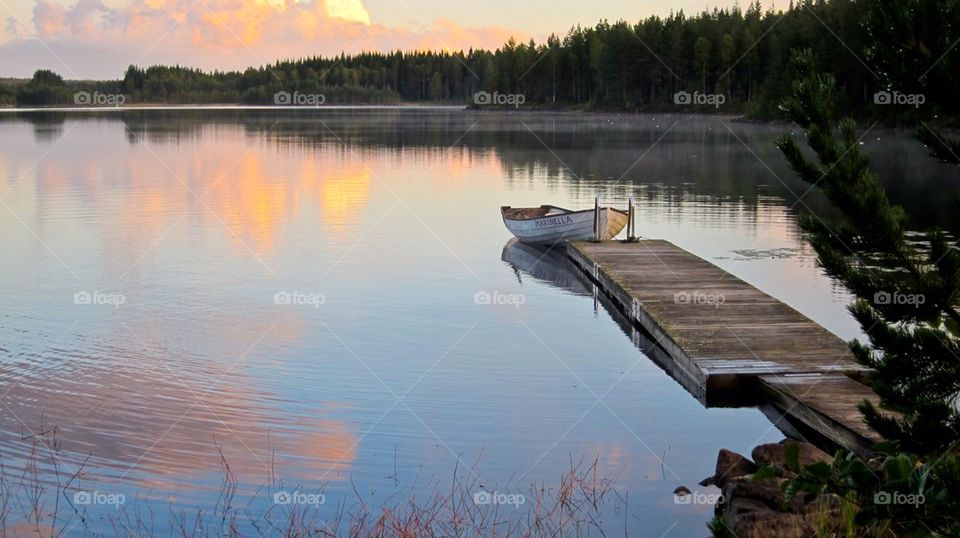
(547, 224)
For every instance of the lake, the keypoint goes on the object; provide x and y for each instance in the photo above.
(297, 296)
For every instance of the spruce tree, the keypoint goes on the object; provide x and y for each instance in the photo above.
(907, 288)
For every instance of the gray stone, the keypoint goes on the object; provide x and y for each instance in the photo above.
(731, 465)
(766, 491)
(776, 453)
(767, 523)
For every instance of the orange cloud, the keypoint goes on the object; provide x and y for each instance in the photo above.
(48, 18)
(93, 39)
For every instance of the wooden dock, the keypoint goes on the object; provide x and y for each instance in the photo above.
(729, 343)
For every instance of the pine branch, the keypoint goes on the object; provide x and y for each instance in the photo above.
(940, 147)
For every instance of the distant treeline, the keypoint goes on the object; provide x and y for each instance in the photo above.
(739, 54)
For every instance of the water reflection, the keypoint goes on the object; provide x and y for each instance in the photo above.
(547, 265)
(703, 156)
(148, 401)
(343, 195)
(200, 217)
(694, 150)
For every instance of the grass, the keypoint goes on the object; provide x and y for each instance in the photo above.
(37, 500)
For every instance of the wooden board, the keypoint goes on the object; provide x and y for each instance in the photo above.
(723, 333)
(827, 403)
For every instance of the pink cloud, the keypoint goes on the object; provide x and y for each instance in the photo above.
(48, 18)
(89, 38)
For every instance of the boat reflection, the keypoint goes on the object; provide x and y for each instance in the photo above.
(544, 264)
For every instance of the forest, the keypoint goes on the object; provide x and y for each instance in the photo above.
(741, 55)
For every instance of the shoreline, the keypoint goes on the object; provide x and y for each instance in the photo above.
(11, 110)
(947, 124)
(731, 116)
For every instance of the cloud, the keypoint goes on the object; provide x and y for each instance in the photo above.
(349, 10)
(91, 39)
(10, 30)
(48, 18)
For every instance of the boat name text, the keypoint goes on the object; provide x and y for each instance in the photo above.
(554, 221)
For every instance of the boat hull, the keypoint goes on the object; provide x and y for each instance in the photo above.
(567, 226)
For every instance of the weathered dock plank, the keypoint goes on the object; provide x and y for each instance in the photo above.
(826, 403)
(727, 339)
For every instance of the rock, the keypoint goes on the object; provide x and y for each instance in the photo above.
(767, 492)
(746, 505)
(776, 453)
(766, 523)
(753, 510)
(681, 495)
(731, 465)
(759, 509)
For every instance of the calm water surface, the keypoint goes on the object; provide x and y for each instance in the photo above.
(297, 292)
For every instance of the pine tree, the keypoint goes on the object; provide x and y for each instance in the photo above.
(907, 292)
(907, 289)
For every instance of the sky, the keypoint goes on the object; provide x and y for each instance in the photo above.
(83, 39)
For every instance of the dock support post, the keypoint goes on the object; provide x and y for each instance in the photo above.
(631, 220)
(596, 219)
